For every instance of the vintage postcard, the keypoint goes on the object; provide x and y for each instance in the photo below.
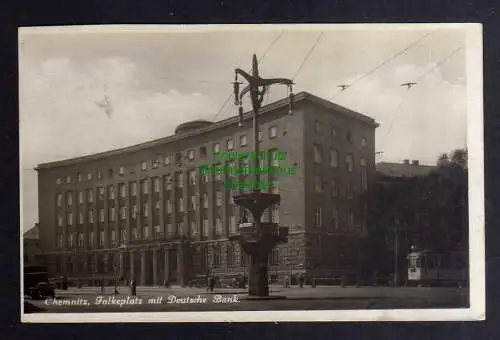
(252, 173)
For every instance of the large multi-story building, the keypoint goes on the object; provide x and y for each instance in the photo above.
(147, 212)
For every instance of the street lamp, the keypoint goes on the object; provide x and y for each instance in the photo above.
(258, 239)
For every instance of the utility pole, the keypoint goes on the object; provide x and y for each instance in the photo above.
(258, 240)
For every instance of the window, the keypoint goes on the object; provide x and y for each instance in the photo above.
(180, 228)
(350, 219)
(111, 192)
(205, 227)
(204, 178)
(155, 163)
(121, 170)
(348, 163)
(275, 188)
(317, 154)
(156, 184)
(68, 179)
(260, 136)
(181, 204)
(364, 181)
(335, 188)
(178, 158)
(110, 173)
(79, 177)
(99, 174)
(69, 198)
(166, 160)
(205, 200)
(168, 182)
(101, 193)
(232, 224)
(192, 177)
(318, 185)
(218, 198)
(91, 216)
(144, 185)
(217, 256)
(123, 235)
(334, 158)
(203, 151)
(350, 191)
(71, 240)
(273, 131)
(335, 218)
(169, 207)
(101, 215)
(145, 232)
(317, 126)
(333, 132)
(179, 181)
(112, 214)
(58, 180)
(194, 229)
(218, 226)
(190, 154)
(145, 209)
(317, 217)
(80, 239)
(349, 136)
(216, 147)
(193, 203)
(80, 217)
(363, 142)
(243, 140)
(134, 211)
(123, 190)
(89, 176)
(90, 195)
(69, 220)
(133, 188)
(275, 212)
(80, 197)
(59, 221)
(59, 200)
(218, 172)
(91, 239)
(144, 165)
(229, 144)
(123, 213)
(101, 238)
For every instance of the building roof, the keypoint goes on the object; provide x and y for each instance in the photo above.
(32, 234)
(403, 169)
(231, 121)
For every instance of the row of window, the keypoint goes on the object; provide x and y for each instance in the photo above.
(218, 223)
(133, 188)
(334, 158)
(318, 128)
(171, 158)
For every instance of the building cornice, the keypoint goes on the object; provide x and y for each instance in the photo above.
(229, 122)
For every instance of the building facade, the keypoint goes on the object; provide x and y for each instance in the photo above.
(31, 246)
(148, 212)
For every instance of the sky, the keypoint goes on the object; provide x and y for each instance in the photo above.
(157, 79)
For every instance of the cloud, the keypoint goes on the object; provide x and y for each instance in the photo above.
(60, 118)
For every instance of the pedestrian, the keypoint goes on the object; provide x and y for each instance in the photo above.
(286, 284)
(133, 288)
(209, 282)
(212, 283)
(301, 280)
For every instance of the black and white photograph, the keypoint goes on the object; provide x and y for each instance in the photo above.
(209, 173)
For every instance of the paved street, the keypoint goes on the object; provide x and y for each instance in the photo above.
(157, 299)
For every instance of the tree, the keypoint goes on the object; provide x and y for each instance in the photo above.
(429, 212)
